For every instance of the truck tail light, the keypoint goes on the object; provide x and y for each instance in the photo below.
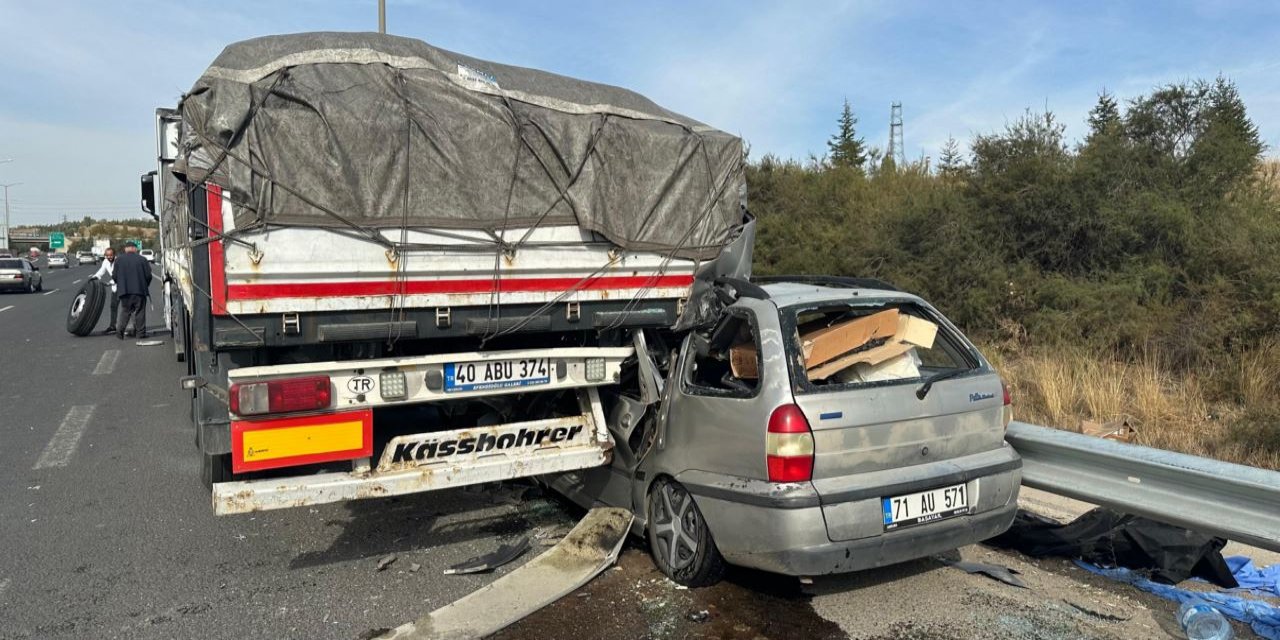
(1008, 405)
(281, 396)
(789, 446)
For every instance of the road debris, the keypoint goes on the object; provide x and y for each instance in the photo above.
(699, 616)
(1003, 574)
(590, 548)
(1119, 430)
(490, 561)
(414, 567)
(1109, 538)
(386, 561)
(1101, 615)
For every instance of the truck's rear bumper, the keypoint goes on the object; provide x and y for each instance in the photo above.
(280, 493)
(441, 460)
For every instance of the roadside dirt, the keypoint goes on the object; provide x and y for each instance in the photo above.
(920, 600)
(635, 601)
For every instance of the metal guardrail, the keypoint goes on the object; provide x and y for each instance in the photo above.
(1229, 500)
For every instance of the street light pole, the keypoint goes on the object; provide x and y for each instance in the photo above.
(6, 211)
(382, 16)
(6, 207)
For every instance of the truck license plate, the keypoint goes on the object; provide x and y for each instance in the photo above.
(926, 506)
(496, 374)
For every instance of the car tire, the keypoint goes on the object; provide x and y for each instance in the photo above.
(679, 540)
(86, 308)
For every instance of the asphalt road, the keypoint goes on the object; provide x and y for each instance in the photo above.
(106, 532)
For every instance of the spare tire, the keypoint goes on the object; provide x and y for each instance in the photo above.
(86, 307)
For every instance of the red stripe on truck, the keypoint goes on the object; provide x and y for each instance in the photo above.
(478, 285)
(217, 255)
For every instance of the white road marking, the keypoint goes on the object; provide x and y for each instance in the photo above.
(76, 281)
(107, 363)
(51, 292)
(60, 449)
(4, 586)
(3, 309)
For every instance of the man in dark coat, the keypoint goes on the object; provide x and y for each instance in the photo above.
(133, 283)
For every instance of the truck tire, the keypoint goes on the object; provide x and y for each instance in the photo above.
(86, 307)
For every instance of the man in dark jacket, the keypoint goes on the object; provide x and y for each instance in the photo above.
(133, 283)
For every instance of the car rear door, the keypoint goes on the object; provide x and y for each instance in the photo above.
(873, 433)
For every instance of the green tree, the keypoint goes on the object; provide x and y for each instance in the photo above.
(1104, 117)
(950, 159)
(847, 149)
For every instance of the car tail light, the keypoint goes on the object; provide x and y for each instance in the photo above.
(1008, 405)
(281, 396)
(789, 446)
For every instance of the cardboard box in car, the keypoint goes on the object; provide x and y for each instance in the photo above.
(823, 344)
(910, 332)
(743, 361)
(917, 331)
(829, 343)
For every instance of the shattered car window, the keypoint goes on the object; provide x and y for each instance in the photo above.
(850, 344)
(727, 361)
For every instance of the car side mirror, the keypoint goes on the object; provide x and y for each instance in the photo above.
(148, 184)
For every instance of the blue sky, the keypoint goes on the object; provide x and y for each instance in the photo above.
(79, 80)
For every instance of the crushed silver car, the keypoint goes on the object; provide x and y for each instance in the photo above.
(823, 425)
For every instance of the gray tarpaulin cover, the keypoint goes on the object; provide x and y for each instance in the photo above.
(314, 128)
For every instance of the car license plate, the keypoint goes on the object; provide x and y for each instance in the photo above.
(496, 374)
(926, 506)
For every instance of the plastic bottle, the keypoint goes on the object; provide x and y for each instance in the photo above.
(1201, 621)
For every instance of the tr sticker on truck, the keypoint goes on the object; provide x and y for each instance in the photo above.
(360, 384)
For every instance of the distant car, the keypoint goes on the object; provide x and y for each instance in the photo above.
(59, 260)
(17, 274)
(765, 453)
(148, 254)
(85, 257)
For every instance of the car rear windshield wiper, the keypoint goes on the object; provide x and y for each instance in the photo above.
(937, 377)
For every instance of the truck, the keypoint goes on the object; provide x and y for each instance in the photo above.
(99, 248)
(390, 268)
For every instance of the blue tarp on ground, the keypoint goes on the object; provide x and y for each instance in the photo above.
(1265, 581)
(1262, 617)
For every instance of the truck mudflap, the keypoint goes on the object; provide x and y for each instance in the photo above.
(441, 460)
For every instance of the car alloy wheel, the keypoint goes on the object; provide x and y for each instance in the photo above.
(679, 539)
(676, 525)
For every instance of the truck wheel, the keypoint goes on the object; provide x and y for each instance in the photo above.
(679, 540)
(215, 468)
(82, 317)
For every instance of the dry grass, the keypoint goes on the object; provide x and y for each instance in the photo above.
(1231, 414)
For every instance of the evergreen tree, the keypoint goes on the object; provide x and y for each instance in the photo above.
(1227, 148)
(950, 159)
(847, 149)
(1104, 117)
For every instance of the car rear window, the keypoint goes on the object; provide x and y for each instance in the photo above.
(10, 264)
(852, 344)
